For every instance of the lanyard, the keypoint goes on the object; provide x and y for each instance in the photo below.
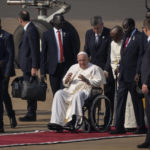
(131, 37)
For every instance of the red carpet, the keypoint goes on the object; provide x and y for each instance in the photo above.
(46, 137)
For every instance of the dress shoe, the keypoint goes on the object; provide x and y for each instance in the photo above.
(1, 130)
(71, 124)
(13, 122)
(130, 129)
(140, 131)
(105, 128)
(27, 118)
(144, 145)
(56, 127)
(118, 131)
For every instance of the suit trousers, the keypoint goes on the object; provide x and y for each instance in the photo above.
(109, 91)
(56, 78)
(122, 92)
(7, 99)
(31, 104)
(147, 110)
(1, 103)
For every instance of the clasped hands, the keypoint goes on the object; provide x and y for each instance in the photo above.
(82, 77)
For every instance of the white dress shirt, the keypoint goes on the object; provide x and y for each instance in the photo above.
(26, 26)
(148, 39)
(97, 36)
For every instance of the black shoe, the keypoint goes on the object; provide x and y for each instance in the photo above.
(144, 145)
(27, 118)
(130, 129)
(13, 122)
(107, 129)
(104, 128)
(56, 127)
(118, 131)
(1, 130)
(71, 124)
(140, 131)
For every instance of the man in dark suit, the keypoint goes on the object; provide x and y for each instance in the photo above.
(144, 41)
(3, 61)
(8, 72)
(1, 100)
(97, 43)
(29, 58)
(145, 74)
(58, 52)
(129, 76)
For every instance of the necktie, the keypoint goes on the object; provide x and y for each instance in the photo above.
(60, 46)
(126, 43)
(96, 40)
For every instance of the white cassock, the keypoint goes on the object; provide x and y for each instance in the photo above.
(70, 100)
(115, 55)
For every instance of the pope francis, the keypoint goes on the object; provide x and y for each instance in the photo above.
(78, 81)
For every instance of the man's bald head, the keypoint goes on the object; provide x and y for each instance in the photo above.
(128, 25)
(58, 21)
(24, 15)
(116, 33)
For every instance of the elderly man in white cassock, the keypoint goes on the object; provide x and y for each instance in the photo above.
(78, 82)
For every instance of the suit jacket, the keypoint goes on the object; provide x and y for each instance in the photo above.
(7, 48)
(130, 62)
(145, 71)
(99, 54)
(29, 49)
(144, 42)
(49, 54)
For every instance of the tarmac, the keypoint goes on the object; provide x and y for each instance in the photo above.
(44, 109)
(79, 17)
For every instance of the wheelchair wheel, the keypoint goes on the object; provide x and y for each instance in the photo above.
(98, 113)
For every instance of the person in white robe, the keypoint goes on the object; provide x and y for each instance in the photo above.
(78, 83)
(116, 34)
